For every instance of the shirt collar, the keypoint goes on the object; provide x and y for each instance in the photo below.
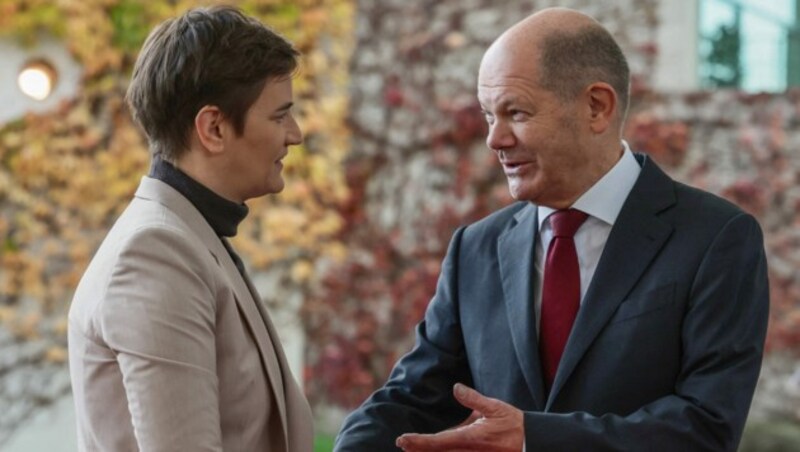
(605, 198)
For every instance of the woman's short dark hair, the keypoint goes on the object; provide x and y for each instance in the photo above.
(208, 56)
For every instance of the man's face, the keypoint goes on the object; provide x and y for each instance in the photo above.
(537, 137)
(269, 130)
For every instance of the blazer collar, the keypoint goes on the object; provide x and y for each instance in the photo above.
(246, 296)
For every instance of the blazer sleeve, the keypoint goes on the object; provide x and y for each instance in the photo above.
(418, 395)
(722, 338)
(159, 319)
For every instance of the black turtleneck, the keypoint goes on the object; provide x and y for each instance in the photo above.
(221, 214)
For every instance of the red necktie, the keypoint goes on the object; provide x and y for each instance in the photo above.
(561, 290)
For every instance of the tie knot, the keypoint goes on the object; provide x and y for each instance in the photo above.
(566, 222)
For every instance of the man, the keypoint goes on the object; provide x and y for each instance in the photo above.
(170, 347)
(643, 330)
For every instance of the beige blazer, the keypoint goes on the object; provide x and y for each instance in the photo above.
(170, 348)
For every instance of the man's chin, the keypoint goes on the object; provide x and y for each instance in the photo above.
(518, 193)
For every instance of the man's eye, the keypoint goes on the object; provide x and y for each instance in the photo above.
(489, 118)
(517, 115)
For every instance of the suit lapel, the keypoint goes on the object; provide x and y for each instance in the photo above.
(635, 239)
(246, 297)
(515, 256)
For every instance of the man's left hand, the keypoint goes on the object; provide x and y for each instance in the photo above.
(499, 428)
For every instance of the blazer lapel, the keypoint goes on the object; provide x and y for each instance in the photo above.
(515, 256)
(255, 315)
(636, 237)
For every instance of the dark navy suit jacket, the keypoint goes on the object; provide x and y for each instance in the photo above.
(664, 354)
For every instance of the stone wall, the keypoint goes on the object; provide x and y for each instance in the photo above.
(29, 379)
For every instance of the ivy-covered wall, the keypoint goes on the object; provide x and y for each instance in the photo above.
(67, 174)
(394, 160)
(419, 167)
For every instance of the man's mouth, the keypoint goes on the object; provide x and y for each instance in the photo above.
(512, 167)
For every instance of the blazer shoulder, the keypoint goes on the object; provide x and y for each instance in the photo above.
(495, 223)
(685, 204)
(144, 258)
(706, 206)
(482, 236)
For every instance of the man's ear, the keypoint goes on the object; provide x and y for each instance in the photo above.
(209, 125)
(602, 106)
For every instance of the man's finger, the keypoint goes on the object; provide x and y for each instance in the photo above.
(459, 438)
(473, 399)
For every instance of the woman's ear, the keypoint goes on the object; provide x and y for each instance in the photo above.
(209, 125)
(602, 105)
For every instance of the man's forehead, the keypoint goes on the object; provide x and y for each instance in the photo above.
(506, 85)
(500, 98)
(504, 62)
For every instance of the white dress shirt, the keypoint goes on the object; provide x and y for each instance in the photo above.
(603, 202)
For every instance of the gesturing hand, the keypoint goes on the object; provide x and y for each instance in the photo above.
(499, 428)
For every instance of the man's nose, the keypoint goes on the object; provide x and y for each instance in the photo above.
(500, 136)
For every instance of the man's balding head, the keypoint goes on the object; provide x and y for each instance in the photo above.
(554, 91)
(567, 50)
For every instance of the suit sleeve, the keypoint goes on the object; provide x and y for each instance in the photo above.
(722, 338)
(159, 319)
(418, 395)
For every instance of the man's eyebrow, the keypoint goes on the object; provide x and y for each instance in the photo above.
(504, 103)
(507, 101)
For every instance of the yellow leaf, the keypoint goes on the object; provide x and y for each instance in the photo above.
(56, 354)
(301, 271)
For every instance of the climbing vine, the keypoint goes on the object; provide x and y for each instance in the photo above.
(65, 175)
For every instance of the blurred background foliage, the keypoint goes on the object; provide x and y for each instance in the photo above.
(393, 161)
(66, 175)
